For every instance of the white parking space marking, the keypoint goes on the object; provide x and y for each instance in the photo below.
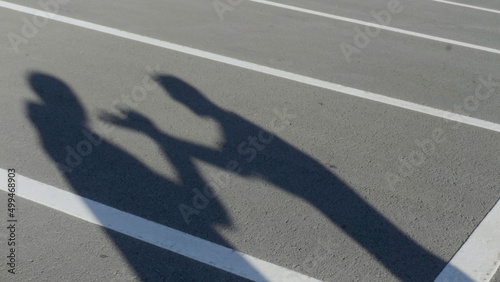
(263, 69)
(383, 27)
(467, 6)
(479, 257)
(139, 228)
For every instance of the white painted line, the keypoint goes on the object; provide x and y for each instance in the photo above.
(383, 27)
(266, 70)
(479, 257)
(148, 231)
(467, 6)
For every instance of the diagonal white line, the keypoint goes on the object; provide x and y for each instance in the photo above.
(479, 257)
(383, 27)
(467, 6)
(263, 69)
(153, 233)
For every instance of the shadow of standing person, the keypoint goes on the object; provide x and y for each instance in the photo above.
(103, 172)
(286, 167)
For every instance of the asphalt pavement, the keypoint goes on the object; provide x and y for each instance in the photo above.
(315, 146)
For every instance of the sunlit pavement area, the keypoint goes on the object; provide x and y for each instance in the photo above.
(234, 140)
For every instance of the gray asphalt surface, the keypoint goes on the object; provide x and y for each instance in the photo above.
(496, 278)
(316, 199)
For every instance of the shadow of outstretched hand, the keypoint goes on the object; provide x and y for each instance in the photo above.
(129, 119)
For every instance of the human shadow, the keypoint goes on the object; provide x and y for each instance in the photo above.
(98, 170)
(252, 151)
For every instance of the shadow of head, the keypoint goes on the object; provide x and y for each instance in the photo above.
(187, 95)
(57, 97)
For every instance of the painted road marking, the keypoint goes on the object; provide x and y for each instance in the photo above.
(151, 232)
(467, 6)
(479, 257)
(262, 69)
(383, 27)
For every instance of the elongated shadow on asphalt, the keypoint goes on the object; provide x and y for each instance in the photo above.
(113, 177)
(101, 171)
(288, 168)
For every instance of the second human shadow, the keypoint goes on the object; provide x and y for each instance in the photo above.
(287, 168)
